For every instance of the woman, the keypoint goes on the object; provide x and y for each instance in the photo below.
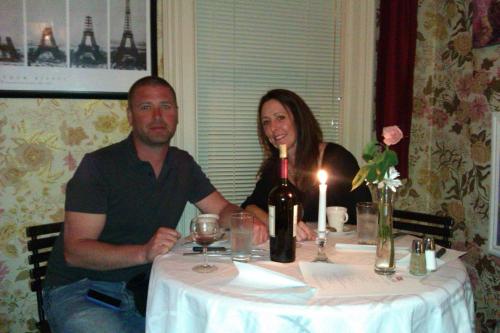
(284, 118)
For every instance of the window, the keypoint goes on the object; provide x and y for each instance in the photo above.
(180, 68)
(245, 48)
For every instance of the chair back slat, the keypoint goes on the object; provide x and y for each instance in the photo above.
(39, 258)
(44, 229)
(40, 243)
(421, 224)
(39, 273)
(36, 285)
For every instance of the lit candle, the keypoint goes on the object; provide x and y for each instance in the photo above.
(322, 176)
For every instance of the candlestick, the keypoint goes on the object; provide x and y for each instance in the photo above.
(321, 240)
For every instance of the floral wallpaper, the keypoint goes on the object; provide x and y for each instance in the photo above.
(41, 143)
(456, 88)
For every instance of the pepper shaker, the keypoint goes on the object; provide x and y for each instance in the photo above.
(430, 254)
(417, 260)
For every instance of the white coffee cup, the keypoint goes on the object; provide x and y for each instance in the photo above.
(337, 216)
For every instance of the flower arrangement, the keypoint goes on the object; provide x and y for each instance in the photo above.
(382, 178)
(381, 161)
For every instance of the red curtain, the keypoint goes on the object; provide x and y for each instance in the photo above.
(395, 64)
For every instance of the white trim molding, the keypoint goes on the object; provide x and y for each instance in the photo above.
(358, 73)
(494, 238)
(180, 65)
(179, 61)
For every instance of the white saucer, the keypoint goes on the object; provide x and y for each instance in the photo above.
(349, 229)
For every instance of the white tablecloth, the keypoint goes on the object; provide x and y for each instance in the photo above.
(181, 300)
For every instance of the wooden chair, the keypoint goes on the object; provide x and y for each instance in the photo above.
(41, 238)
(420, 224)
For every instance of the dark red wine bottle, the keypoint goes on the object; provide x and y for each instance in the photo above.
(283, 212)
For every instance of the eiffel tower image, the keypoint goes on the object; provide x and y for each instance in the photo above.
(88, 52)
(47, 50)
(8, 52)
(127, 56)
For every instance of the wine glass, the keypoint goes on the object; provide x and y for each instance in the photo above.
(205, 231)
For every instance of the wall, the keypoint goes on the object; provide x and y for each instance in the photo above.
(41, 143)
(456, 89)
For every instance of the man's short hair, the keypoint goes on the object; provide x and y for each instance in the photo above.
(149, 81)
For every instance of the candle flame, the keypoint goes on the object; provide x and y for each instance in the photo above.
(322, 176)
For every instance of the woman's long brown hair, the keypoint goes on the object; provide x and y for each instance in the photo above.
(309, 136)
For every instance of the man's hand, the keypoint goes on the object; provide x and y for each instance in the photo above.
(83, 249)
(162, 242)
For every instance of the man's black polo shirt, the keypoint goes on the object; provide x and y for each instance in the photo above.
(113, 181)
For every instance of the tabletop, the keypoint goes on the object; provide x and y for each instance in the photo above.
(343, 296)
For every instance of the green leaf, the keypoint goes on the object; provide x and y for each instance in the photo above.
(360, 177)
(370, 150)
(372, 174)
(391, 157)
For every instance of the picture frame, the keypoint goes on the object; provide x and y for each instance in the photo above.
(494, 237)
(76, 49)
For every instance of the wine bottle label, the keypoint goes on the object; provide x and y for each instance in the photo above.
(295, 216)
(271, 218)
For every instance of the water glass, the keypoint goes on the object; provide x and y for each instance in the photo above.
(241, 236)
(366, 219)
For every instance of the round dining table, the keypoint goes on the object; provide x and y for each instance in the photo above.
(343, 295)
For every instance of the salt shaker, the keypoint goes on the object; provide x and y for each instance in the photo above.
(430, 254)
(417, 260)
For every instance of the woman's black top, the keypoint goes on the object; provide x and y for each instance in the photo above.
(341, 167)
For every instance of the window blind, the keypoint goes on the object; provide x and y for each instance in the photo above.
(245, 48)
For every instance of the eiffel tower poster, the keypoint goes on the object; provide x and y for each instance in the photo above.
(11, 34)
(46, 22)
(128, 39)
(88, 34)
(76, 48)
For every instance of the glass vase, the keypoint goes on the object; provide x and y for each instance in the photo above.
(384, 259)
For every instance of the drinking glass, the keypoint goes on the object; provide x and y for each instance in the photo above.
(367, 217)
(205, 231)
(241, 236)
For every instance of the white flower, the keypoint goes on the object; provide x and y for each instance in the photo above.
(390, 179)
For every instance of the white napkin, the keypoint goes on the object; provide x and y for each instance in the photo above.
(255, 277)
(255, 281)
(340, 280)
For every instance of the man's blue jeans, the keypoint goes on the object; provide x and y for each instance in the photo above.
(68, 311)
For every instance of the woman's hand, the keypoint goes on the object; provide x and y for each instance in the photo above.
(304, 232)
(260, 232)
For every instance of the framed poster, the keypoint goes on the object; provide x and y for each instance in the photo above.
(75, 48)
(494, 239)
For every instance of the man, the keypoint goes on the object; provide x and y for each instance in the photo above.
(122, 207)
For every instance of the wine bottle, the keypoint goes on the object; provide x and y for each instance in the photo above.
(283, 213)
